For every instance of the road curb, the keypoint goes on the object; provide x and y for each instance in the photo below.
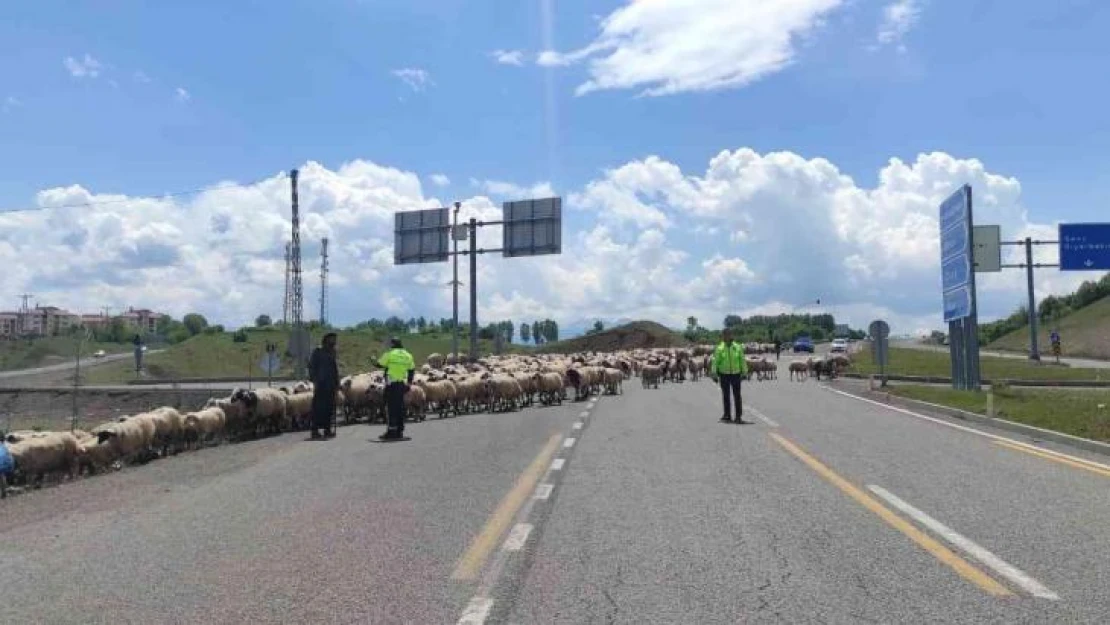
(1032, 431)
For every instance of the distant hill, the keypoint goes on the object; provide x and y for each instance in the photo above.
(638, 334)
(1084, 333)
(579, 327)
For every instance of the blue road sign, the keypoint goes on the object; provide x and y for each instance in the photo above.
(953, 242)
(1085, 247)
(955, 273)
(957, 303)
(954, 209)
(955, 253)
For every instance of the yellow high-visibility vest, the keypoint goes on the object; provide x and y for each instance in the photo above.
(397, 362)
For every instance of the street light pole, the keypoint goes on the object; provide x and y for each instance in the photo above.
(455, 285)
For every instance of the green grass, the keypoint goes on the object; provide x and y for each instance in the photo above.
(1084, 333)
(1084, 413)
(26, 354)
(217, 355)
(904, 361)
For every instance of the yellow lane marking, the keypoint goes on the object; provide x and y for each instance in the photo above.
(484, 543)
(923, 540)
(1071, 461)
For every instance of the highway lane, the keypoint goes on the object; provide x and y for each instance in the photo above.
(665, 516)
(277, 531)
(632, 509)
(87, 361)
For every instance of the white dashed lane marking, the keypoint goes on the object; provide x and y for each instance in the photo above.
(577, 426)
(476, 611)
(557, 464)
(518, 536)
(543, 491)
(568, 443)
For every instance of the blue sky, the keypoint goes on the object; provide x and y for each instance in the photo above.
(161, 97)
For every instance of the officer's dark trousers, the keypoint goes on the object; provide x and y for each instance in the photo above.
(323, 407)
(730, 383)
(395, 404)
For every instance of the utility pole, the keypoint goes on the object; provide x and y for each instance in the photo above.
(24, 312)
(324, 282)
(297, 304)
(455, 284)
(473, 233)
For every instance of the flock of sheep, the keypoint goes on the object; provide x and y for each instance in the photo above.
(441, 386)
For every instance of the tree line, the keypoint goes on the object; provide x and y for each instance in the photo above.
(1050, 309)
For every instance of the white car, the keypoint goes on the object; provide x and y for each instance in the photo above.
(98, 353)
(839, 345)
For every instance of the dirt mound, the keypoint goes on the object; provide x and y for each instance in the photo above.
(635, 335)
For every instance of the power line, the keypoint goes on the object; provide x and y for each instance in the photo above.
(135, 198)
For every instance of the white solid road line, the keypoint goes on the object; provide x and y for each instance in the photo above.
(568, 443)
(762, 417)
(1000, 566)
(543, 491)
(517, 537)
(476, 611)
(964, 428)
(557, 464)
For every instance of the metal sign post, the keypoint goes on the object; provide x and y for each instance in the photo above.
(270, 363)
(958, 287)
(530, 228)
(880, 346)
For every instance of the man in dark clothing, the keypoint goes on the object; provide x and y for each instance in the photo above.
(400, 368)
(323, 371)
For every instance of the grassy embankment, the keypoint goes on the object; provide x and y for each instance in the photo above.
(1079, 412)
(1084, 333)
(218, 356)
(936, 363)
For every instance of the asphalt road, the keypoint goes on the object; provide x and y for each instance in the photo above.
(87, 361)
(634, 509)
(1085, 363)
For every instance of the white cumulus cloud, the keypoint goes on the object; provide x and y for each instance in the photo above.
(87, 67)
(439, 180)
(760, 233)
(665, 48)
(417, 79)
(898, 18)
(508, 57)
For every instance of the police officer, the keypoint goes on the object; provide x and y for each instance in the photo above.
(399, 371)
(728, 368)
(323, 371)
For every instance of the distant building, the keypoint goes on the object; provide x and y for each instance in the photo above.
(9, 325)
(54, 321)
(96, 322)
(141, 319)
